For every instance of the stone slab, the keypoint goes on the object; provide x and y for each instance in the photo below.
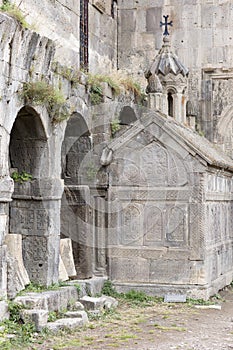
(77, 314)
(103, 302)
(67, 256)
(175, 298)
(50, 300)
(64, 323)
(14, 247)
(63, 275)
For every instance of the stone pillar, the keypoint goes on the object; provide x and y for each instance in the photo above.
(155, 101)
(6, 189)
(100, 238)
(76, 224)
(35, 214)
(180, 106)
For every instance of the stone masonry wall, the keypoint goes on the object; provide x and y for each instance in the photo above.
(60, 21)
(218, 232)
(201, 36)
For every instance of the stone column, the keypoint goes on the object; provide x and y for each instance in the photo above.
(35, 214)
(100, 239)
(6, 189)
(76, 223)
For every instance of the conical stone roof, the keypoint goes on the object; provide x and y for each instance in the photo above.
(167, 62)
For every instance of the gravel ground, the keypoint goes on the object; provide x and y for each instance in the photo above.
(162, 326)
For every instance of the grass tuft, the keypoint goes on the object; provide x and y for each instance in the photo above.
(13, 11)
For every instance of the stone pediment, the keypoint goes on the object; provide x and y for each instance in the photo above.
(169, 133)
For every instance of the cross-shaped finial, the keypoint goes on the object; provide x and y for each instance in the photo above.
(166, 24)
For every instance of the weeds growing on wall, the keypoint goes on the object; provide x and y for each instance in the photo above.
(115, 126)
(12, 10)
(43, 93)
(21, 177)
(73, 76)
(118, 83)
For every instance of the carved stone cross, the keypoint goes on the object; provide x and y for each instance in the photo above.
(166, 24)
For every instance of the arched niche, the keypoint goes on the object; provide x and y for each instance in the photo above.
(75, 209)
(28, 143)
(170, 102)
(34, 213)
(76, 145)
(127, 116)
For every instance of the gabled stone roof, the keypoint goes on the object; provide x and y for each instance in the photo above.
(190, 140)
(167, 62)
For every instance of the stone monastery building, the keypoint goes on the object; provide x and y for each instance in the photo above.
(116, 137)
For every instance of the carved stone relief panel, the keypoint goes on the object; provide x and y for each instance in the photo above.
(150, 165)
(217, 97)
(153, 225)
(165, 225)
(131, 225)
(176, 224)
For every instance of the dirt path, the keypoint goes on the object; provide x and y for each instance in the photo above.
(158, 327)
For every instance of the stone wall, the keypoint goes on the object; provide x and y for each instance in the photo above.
(169, 214)
(200, 36)
(60, 21)
(218, 233)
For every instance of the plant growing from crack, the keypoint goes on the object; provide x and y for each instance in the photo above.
(12, 10)
(42, 93)
(115, 126)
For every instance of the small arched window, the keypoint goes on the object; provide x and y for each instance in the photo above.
(170, 104)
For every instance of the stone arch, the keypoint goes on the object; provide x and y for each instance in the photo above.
(28, 143)
(35, 205)
(127, 116)
(171, 101)
(76, 144)
(75, 209)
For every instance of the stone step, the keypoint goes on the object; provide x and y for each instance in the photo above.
(71, 323)
(103, 302)
(54, 300)
(92, 286)
(77, 314)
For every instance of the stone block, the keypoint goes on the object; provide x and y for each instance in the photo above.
(38, 317)
(92, 303)
(103, 302)
(64, 323)
(109, 302)
(33, 300)
(63, 275)
(67, 256)
(77, 306)
(153, 18)
(50, 300)
(136, 269)
(77, 314)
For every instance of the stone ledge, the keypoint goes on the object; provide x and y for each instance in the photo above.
(49, 300)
